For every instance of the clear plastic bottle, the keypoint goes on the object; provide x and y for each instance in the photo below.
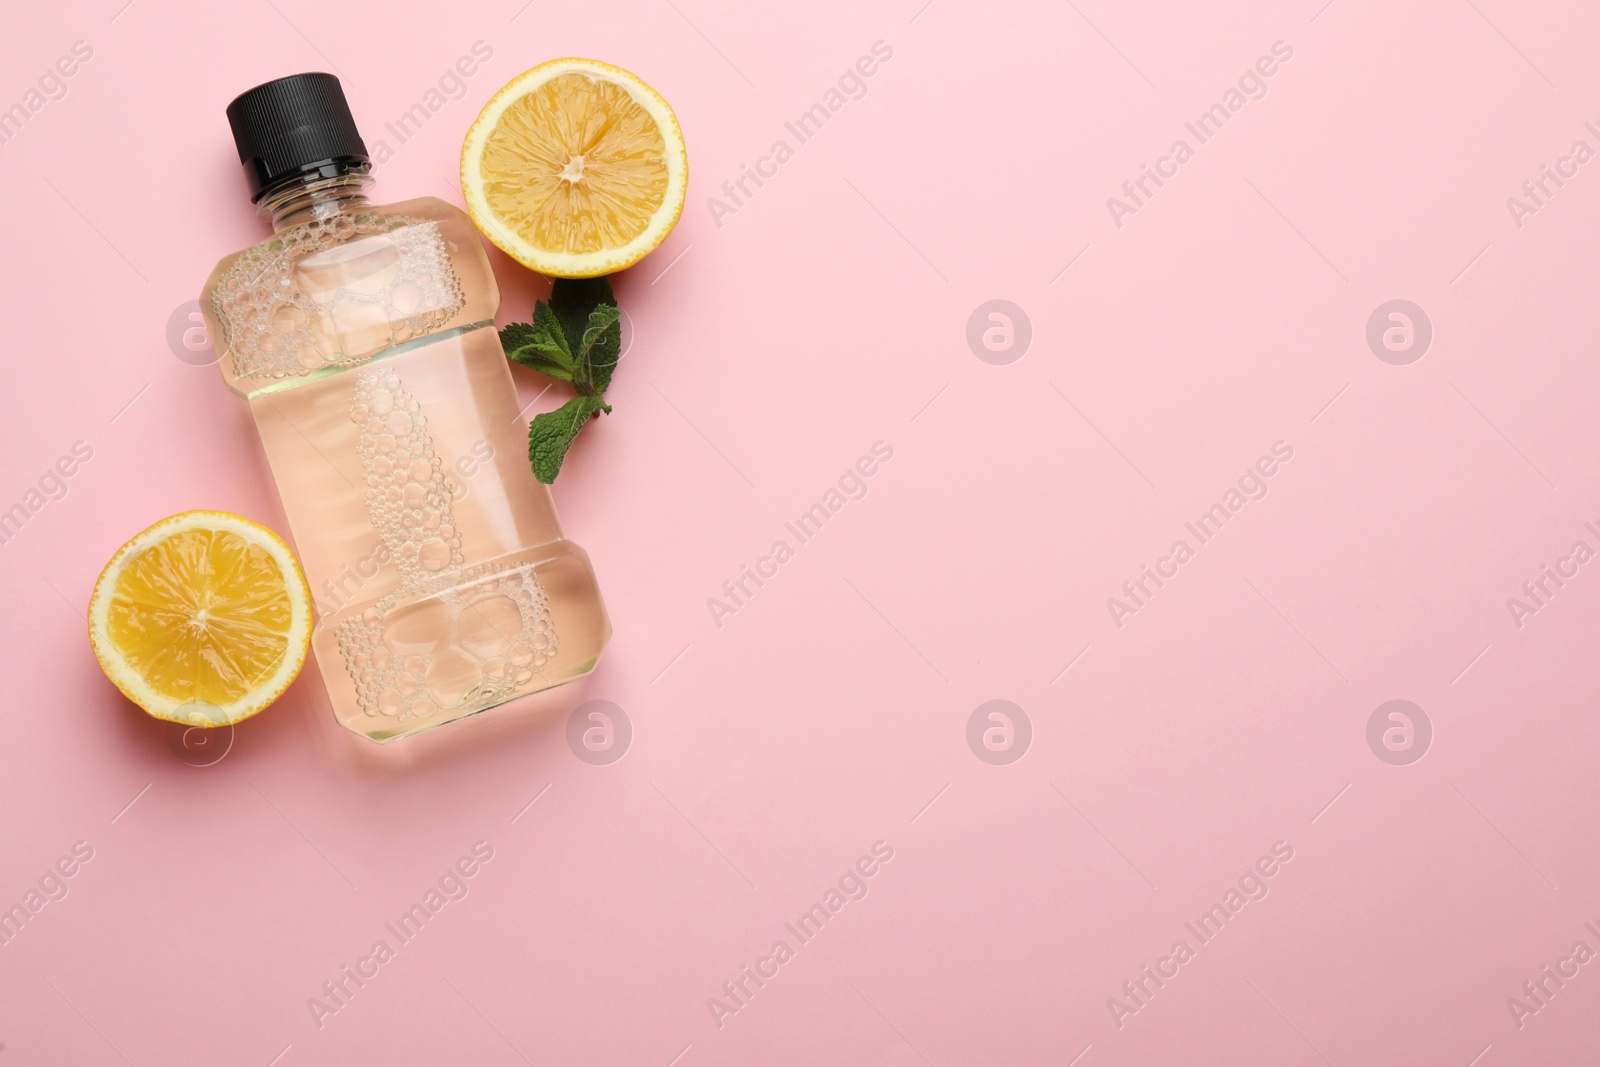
(362, 337)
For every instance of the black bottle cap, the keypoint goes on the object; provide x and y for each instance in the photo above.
(294, 127)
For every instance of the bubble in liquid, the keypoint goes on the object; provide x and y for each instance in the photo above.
(399, 423)
(433, 554)
(451, 674)
(488, 626)
(382, 401)
(286, 318)
(405, 298)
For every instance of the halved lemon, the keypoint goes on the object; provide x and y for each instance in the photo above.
(575, 169)
(203, 619)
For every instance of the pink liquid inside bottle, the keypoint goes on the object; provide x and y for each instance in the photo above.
(362, 337)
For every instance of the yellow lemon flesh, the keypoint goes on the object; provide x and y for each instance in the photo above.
(203, 619)
(575, 169)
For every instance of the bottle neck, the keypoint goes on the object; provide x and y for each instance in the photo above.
(316, 198)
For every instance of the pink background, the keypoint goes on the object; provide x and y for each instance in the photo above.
(770, 351)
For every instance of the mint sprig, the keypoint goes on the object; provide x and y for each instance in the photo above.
(577, 338)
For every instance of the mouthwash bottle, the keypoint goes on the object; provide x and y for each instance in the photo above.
(362, 337)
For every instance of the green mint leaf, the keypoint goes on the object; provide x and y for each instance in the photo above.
(516, 335)
(551, 434)
(600, 347)
(575, 336)
(541, 345)
(573, 300)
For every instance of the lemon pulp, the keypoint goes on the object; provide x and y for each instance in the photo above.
(577, 165)
(203, 615)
